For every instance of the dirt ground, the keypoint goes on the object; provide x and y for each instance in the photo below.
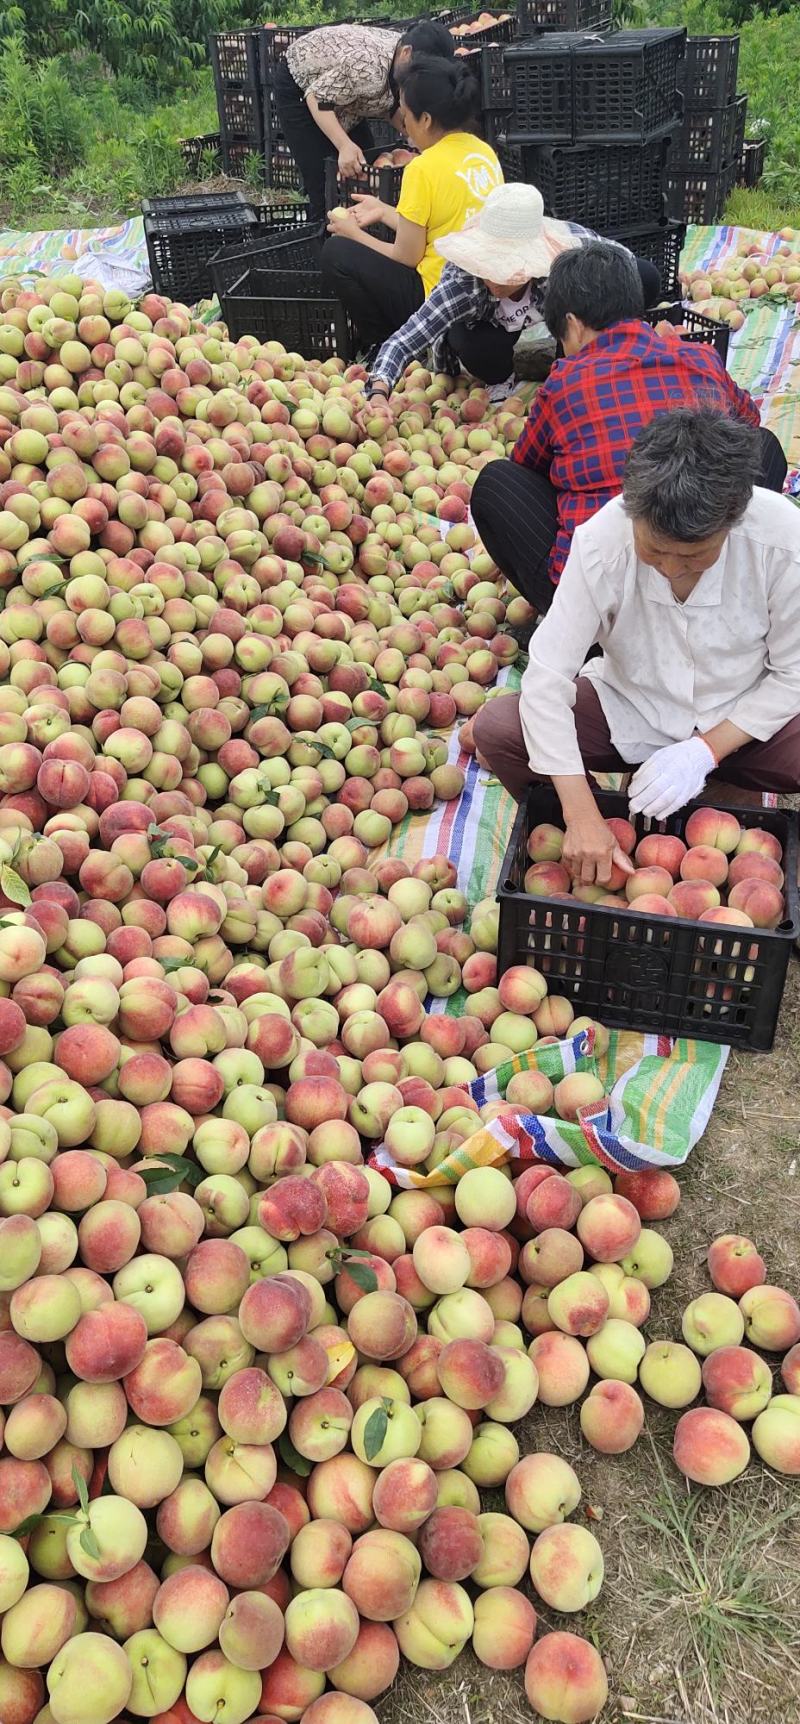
(699, 1616)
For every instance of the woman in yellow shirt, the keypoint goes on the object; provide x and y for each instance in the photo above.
(382, 282)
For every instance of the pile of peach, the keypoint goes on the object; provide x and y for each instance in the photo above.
(722, 872)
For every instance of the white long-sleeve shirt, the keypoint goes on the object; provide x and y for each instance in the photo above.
(730, 651)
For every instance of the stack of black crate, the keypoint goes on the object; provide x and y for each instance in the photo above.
(706, 154)
(590, 120)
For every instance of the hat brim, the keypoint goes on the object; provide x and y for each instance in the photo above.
(507, 261)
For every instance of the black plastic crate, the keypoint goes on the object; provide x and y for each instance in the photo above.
(502, 30)
(510, 159)
(710, 71)
(694, 326)
(281, 218)
(534, 15)
(183, 234)
(383, 183)
(235, 56)
(620, 89)
(661, 244)
(273, 289)
(651, 973)
(694, 195)
(241, 113)
(199, 154)
(709, 138)
(600, 188)
(751, 164)
(239, 156)
(495, 80)
(274, 39)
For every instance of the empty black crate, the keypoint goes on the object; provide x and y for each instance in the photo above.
(703, 331)
(236, 64)
(183, 234)
(661, 244)
(644, 972)
(709, 138)
(600, 188)
(533, 15)
(622, 89)
(751, 164)
(273, 290)
(239, 157)
(280, 218)
(698, 196)
(710, 70)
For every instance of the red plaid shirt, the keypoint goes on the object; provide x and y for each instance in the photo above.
(586, 416)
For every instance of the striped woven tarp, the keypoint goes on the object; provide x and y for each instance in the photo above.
(52, 251)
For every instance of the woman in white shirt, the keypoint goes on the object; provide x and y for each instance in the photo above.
(690, 584)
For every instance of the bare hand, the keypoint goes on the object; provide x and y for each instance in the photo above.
(352, 161)
(343, 224)
(367, 209)
(590, 850)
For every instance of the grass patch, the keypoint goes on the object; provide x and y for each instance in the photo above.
(725, 1586)
(762, 209)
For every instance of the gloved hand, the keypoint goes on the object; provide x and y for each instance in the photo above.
(670, 778)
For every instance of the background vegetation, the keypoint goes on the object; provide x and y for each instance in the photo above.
(95, 96)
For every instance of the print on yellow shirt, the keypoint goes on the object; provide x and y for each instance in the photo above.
(443, 188)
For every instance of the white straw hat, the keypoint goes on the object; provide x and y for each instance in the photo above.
(510, 239)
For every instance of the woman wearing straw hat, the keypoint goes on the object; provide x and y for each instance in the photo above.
(492, 288)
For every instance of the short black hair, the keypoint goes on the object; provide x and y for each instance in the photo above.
(599, 283)
(428, 36)
(690, 473)
(445, 89)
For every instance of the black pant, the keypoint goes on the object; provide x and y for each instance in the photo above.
(309, 146)
(379, 294)
(515, 510)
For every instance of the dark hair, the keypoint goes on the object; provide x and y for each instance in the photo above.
(428, 36)
(599, 283)
(445, 89)
(690, 474)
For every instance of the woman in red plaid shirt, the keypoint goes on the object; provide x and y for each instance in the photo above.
(616, 375)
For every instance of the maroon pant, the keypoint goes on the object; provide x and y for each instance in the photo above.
(772, 765)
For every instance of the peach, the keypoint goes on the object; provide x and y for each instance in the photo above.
(554, 1202)
(590, 1181)
(505, 1626)
(251, 1631)
(288, 1687)
(13, 1571)
(532, 1091)
(737, 1381)
(713, 826)
(382, 1325)
(470, 1373)
(710, 1322)
(771, 1318)
(119, 1537)
(661, 850)
(608, 1228)
(776, 1435)
(545, 843)
(710, 1447)
(790, 1370)
(321, 1627)
(216, 1688)
(382, 1574)
(107, 1343)
(251, 1409)
(36, 1627)
(562, 1367)
(650, 1260)
(446, 1433)
(670, 1374)
(485, 1197)
(189, 1607)
(612, 1417)
(165, 1385)
(628, 1298)
(580, 1089)
(89, 1664)
(489, 1254)
(653, 1192)
(319, 1425)
(648, 881)
(370, 1668)
(689, 898)
(547, 880)
(760, 900)
(520, 1385)
(504, 1554)
(704, 862)
(34, 1426)
(521, 989)
(405, 1495)
(274, 1313)
(341, 1489)
(339, 1709)
(126, 1605)
(319, 1554)
(22, 1695)
(441, 1260)
(460, 1316)
(566, 1567)
(437, 1627)
(187, 1517)
(734, 1264)
(494, 1450)
(616, 1350)
(551, 1256)
(753, 867)
(565, 1679)
(418, 1367)
(249, 1543)
(579, 1304)
(385, 1430)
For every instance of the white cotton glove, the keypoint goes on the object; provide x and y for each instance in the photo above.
(670, 778)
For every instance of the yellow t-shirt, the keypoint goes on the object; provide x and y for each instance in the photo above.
(442, 188)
